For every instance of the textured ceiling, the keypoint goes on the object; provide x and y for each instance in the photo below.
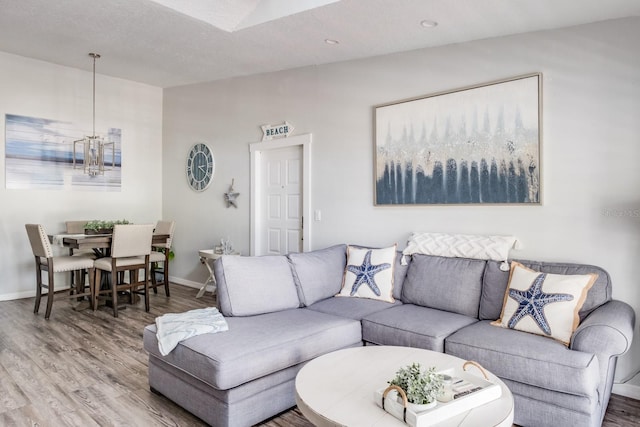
(144, 41)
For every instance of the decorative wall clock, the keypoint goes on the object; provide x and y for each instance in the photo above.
(200, 167)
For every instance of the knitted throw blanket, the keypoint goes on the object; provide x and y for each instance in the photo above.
(175, 327)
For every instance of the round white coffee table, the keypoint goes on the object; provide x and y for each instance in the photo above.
(337, 389)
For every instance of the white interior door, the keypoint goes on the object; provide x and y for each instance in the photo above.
(281, 201)
(280, 191)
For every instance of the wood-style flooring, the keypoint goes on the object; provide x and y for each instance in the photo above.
(82, 368)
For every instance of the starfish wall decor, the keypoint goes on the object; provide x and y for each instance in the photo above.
(231, 196)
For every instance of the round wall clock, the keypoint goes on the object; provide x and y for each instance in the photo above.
(200, 167)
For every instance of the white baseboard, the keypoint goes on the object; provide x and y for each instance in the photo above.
(18, 295)
(189, 283)
(32, 293)
(28, 294)
(630, 388)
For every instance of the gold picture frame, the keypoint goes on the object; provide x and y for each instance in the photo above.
(474, 145)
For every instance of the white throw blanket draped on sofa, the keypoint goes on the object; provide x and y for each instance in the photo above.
(175, 327)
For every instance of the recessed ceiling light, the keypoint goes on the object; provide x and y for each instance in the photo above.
(428, 24)
(331, 41)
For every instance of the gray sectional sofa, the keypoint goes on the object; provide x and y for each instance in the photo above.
(282, 312)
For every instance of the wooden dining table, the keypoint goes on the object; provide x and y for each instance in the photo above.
(99, 243)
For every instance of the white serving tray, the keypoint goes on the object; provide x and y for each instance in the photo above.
(443, 410)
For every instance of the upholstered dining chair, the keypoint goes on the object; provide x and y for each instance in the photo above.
(77, 227)
(160, 254)
(45, 261)
(130, 250)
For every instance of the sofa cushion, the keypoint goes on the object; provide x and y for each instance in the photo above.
(352, 308)
(369, 273)
(450, 284)
(495, 284)
(544, 303)
(410, 325)
(258, 346)
(543, 407)
(526, 358)
(254, 285)
(318, 274)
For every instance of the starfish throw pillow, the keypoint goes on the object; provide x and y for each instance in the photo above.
(543, 303)
(369, 273)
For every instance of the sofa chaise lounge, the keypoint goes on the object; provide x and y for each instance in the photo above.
(282, 311)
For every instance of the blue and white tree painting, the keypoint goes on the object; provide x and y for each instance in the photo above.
(469, 146)
(39, 154)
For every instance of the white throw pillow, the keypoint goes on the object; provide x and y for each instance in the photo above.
(543, 303)
(369, 273)
(473, 246)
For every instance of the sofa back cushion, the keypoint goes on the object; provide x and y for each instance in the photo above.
(495, 284)
(318, 274)
(450, 284)
(254, 285)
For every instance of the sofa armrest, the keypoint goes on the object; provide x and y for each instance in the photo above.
(607, 330)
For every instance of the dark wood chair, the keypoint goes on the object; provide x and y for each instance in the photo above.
(160, 255)
(130, 250)
(46, 262)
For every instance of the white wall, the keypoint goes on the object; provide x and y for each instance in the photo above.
(591, 150)
(40, 89)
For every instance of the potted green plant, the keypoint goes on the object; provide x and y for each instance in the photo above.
(421, 387)
(102, 227)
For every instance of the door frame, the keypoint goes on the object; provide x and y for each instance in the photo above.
(256, 149)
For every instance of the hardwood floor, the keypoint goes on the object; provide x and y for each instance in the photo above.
(89, 369)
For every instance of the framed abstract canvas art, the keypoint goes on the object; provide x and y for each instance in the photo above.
(474, 145)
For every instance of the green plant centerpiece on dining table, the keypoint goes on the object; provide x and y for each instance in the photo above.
(102, 227)
(421, 388)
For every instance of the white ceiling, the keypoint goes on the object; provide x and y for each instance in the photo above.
(145, 41)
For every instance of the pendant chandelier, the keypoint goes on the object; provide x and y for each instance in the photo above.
(93, 147)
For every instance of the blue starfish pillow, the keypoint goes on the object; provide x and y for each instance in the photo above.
(543, 303)
(369, 273)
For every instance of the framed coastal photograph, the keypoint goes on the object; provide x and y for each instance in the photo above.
(475, 145)
(46, 154)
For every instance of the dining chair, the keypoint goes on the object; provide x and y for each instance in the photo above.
(160, 254)
(130, 250)
(77, 227)
(45, 261)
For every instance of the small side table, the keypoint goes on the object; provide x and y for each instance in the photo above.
(205, 255)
